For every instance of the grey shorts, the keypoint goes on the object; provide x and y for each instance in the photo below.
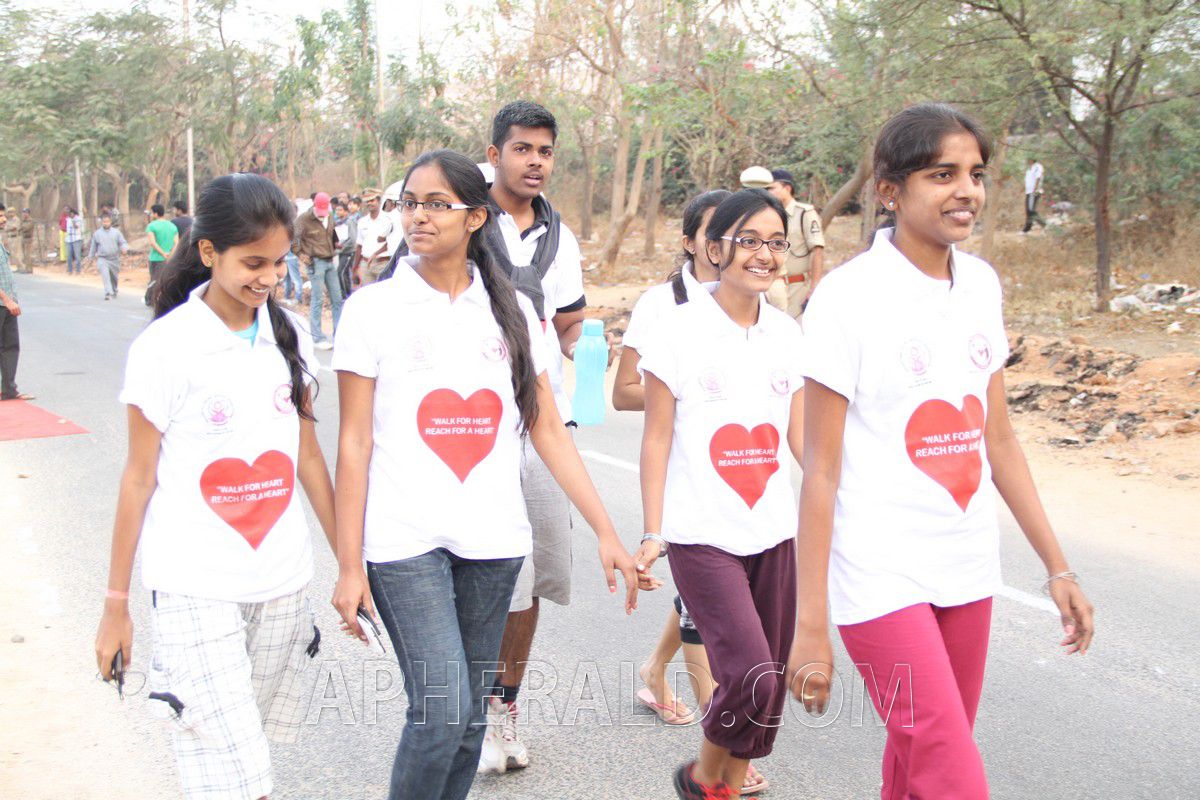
(547, 572)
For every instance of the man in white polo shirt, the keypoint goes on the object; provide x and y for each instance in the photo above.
(371, 252)
(1033, 192)
(547, 268)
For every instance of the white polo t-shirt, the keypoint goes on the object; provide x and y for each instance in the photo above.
(562, 285)
(915, 520)
(446, 466)
(655, 304)
(369, 231)
(224, 521)
(729, 470)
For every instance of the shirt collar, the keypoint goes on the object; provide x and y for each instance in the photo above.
(722, 324)
(898, 268)
(213, 334)
(414, 289)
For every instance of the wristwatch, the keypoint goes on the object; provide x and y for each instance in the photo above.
(654, 537)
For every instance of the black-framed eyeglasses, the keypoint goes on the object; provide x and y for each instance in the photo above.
(408, 206)
(754, 243)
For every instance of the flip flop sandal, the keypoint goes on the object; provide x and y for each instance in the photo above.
(669, 715)
(755, 783)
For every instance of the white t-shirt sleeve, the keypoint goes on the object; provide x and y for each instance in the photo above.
(796, 358)
(569, 263)
(304, 341)
(832, 353)
(538, 349)
(999, 334)
(660, 357)
(151, 384)
(639, 321)
(354, 346)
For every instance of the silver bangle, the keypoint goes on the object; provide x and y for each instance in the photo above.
(1064, 576)
(654, 537)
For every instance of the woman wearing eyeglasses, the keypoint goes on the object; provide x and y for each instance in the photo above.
(723, 406)
(441, 371)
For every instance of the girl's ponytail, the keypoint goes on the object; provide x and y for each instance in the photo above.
(289, 345)
(512, 324)
(177, 277)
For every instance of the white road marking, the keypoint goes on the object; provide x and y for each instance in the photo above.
(1025, 598)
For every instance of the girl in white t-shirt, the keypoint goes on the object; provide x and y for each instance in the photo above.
(629, 394)
(905, 426)
(441, 370)
(220, 428)
(723, 401)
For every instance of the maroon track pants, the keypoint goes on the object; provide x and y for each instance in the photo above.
(745, 610)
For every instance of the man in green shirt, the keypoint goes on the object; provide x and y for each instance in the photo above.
(162, 236)
(10, 340)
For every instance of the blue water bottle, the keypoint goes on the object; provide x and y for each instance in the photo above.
(591, 362)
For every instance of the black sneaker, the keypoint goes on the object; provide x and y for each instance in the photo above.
(688, 789)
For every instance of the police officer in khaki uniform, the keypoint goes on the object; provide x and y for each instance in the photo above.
(760, 178)
(806, 257)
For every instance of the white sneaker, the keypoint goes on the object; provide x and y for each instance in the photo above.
(324, 344)
(515, 754)
(491, 757)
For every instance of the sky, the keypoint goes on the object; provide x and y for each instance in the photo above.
(254, 21)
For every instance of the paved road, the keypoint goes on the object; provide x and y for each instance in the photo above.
(1118, 724)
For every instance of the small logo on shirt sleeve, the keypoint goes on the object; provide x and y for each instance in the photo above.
(494, 349)
(980, 350)
(283, 399)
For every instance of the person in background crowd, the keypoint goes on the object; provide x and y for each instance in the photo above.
(344, 227)
(315, 246)
(371, 255)
(10, 337)
(181, 219)
(162, 237)
(74, 240)
(107, 246)
(1033, 193)
(805, 262)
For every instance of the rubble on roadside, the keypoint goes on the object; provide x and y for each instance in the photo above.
(1158, 298)
(1104, 395)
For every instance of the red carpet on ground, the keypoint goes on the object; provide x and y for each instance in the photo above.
(21, 420)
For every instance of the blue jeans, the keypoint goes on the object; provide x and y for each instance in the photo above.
(75, 257)
(323, 275)
(293, 284)
(445, 616)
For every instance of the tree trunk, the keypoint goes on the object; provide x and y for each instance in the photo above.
(291, 163)
(870, 212)
(123, 184)
(620, 173)
(1103, 222)
(616, 234)
(589, 188)
(94, 194)
(991, 210)
(655, 199)
(862, 173)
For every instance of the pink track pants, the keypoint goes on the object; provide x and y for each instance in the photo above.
(923, 667)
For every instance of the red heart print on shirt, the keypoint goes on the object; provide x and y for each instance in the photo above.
(460, 432)
(249, 497)
(944, 443)
(744, 459)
